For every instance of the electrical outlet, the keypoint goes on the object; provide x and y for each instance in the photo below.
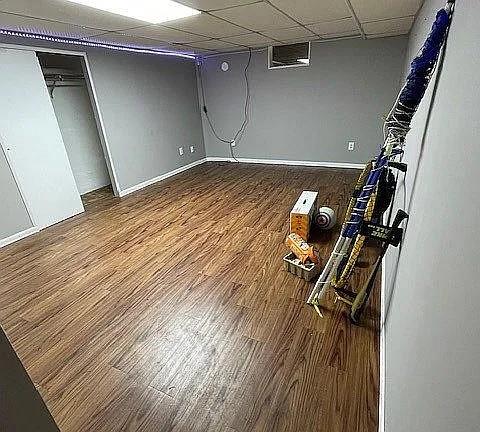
(192, 149)
(180, 151)
(233, 143)
(351, 145)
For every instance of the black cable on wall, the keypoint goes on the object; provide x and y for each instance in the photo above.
(246, 118)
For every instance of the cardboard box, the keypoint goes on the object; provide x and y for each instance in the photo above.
(302, 250)
(301, 216)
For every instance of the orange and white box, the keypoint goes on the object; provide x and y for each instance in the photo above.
(301, 216)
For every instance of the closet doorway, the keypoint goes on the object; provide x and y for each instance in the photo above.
(53, 144)
(67, 81)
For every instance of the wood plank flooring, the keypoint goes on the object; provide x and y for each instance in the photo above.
(169, 310)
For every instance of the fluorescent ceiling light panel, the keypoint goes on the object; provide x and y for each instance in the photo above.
(152, 11)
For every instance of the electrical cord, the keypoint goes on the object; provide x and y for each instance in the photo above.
(246, 117)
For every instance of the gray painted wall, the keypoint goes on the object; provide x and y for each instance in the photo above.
(80, 136)
(14, 218)
(150, 108)
(432, 328)
(306, 113)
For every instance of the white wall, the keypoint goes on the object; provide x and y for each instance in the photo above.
(432, 328)
(80, 135)
(32, 140)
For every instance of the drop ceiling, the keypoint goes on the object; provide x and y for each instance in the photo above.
(223, 25)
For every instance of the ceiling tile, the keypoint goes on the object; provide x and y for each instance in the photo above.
(250, 40)
(131, 41)
(373, 10)
(213, 45)
(346, 25)
(208, 5)
(167, 34)
(257, 16)
(70, 13)
(51, 28)
(311, 11)
(396, 26)
(289, 33)
(206, 25)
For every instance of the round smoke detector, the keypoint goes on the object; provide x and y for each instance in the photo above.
(224, 66)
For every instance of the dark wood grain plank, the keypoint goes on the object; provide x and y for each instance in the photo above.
(169, 310)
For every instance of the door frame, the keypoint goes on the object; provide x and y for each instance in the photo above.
(93, 100)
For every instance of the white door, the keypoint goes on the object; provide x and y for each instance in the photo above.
(32, 141)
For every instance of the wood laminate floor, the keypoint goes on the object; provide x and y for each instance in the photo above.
(169, 310)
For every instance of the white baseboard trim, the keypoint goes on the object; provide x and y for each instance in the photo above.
(146, 183)
(287, 162)
(15, 237)
(382, 370)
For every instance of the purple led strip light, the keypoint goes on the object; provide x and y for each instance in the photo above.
(80, 42)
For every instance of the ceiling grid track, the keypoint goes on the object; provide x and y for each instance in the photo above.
(231, 7)
(249, 31)
(293, 19)
(355, 17)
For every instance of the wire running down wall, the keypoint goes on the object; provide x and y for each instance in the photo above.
(305, 113)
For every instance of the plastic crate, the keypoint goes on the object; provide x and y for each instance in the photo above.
(293, 265)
